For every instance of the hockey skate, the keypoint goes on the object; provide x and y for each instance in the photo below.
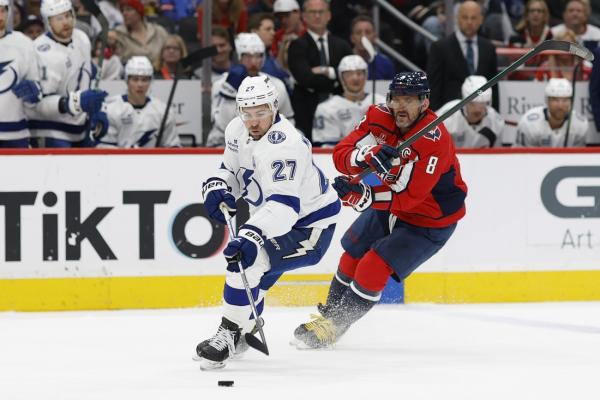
(216, 351)
(320, 333)
(240, 347)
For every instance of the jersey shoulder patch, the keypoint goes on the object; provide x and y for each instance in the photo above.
(433, 135)
(43, 47)
(276, 137)
(533, 116)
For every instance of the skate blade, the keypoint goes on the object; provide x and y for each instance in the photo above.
(300, 345)
(208, 365)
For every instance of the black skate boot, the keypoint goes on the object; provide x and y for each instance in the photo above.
(241, 346)
(217, 350)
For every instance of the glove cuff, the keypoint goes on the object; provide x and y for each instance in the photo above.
(253, 234)
(214, 184)
(357, 158)
(74, 103)
(366, 200)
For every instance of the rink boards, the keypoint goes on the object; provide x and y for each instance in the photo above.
(111, 230)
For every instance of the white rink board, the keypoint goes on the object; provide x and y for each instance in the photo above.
(507, 228)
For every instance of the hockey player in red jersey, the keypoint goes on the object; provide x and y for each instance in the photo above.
(403, 222)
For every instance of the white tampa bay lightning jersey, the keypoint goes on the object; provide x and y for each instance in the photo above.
(224, 107)
(489, 132)
(337, 116)
(534, 130)
(133, 126)
(277, 177)
(18, 62)
(65, 68)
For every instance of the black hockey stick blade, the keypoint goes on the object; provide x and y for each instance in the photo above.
(255, 343)
(198, 56)
(558, 45)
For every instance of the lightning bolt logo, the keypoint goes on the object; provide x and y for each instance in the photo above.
(3, 69)
(306, 246)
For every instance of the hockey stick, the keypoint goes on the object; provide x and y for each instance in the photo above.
(93, 8)
(250, 339)
(366, 43)
(572, 111)
(191, 60)
(559, 45)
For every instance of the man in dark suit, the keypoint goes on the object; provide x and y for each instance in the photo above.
(459, 55)
(313, 59)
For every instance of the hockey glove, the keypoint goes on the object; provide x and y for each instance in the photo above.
(244, 248)
(236, 75)
(98, 126)
(89, 101)
(378, 157)
(28, 91)
(215, 191)
(356, 195)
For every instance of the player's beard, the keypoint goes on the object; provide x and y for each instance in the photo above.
(65, 34)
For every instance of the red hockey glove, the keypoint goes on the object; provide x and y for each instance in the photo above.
(378, 157)
(356, 195)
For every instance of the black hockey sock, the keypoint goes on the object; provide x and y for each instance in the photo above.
(336, 291)
(350, 309)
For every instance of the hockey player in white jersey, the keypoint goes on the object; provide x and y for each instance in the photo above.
(547, 126)
(61, 116)
(477, 125)
(134, 119)
(339, 115)
(293, 209)
(251, 51)
(18, 76)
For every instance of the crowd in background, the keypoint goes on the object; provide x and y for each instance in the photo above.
(304, 42)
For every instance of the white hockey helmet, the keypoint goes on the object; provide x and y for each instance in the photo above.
(352, 62)
(50, 8)
(255, 91)
(138, 66)
(248, 43)
(558, 87)
(471, 84)
(5, 3)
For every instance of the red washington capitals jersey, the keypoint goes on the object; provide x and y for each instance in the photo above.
(426, 188)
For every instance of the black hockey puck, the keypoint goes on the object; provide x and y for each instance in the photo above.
(225, 383)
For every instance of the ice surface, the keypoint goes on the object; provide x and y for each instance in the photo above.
(503, 351)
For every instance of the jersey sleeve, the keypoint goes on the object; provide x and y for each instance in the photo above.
(344, 153)
(525, 136)
(230, 165)
(280, 168)
(325, 130)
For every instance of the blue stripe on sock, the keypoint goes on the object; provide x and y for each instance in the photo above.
(238, 297)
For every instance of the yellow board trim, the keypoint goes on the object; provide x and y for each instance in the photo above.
(497, 287)
(112, 293)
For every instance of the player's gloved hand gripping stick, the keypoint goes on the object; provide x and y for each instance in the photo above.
(557, 45)
(250, 339)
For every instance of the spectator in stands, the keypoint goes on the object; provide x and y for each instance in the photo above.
(594, 89)
(173, 51)
(381, 67)
(547, 126)
(230, 14)
(137, 37)
(33, 27)
(112, 68)
(337, 116)
(83, 21)
(220, 63)
(263, 25)
(457, 56)
(251, 51)
(178, 9)
(533, 28)
(290, 21)
(563, 65)
(575, 18)
(313, 59)
(477, 125)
